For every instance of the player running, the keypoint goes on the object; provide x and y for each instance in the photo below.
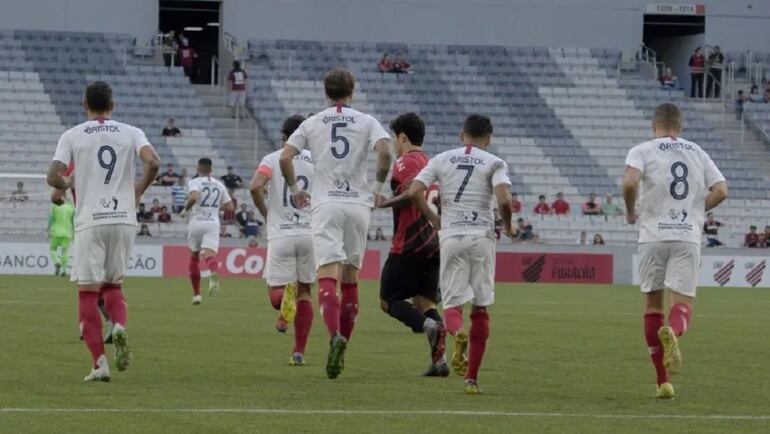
(680, 183)
(206, 196)
(61, 230)
(469, 179)
(412, 269)
(105, 216)
(339, 139)
(289, 243)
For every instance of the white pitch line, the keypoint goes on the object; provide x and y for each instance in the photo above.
(277, 411)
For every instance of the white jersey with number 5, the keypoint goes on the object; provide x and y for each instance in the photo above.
(285, 220)
(103, 151)
(212, 194)
(339, 139)
(676, 177)
(466, 177)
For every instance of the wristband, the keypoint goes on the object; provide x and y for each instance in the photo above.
(378, 187)
(294, 189)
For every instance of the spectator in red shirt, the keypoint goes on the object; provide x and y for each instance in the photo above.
(752, 238)
(400, 66)
(155, 209)
(591, 207)
(164, 216)
(187, 56)
(762, 241)
(237, 79)
(560, 206)
(385, 65)
(229, 216)
(515, 203)
(542, 207)
(697, 68)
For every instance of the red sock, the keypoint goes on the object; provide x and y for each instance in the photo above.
(213, 264)
(349, 309)
(114, 303)
(477, 343)
(302, 323)
(276, 295)
(679, 318)
(453, 319)
(195, 275)
(91, 323)
(329, 304)
(652, 323)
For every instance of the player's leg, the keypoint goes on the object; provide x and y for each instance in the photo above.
(64, 247)
(120, 242)
(280, 272)
(681, 279)
(55, 258)
(482, 280)
(395, 285)
(356, 226)
(652, 260)
(108, 329)
(305, 274)
(194, 239)
(455, 288)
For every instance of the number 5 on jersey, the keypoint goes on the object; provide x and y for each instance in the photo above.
(339, 138)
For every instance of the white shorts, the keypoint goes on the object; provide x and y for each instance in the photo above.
(467, 270)
(290, 259)
(203, 235)
(669, 264)
(237, 98)
(100, 254)
(339, 233)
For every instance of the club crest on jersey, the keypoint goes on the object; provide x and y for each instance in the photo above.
(675, 214)
(471, 216)
(342, 185)
(109, 203)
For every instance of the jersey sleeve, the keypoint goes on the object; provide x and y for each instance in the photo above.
(711, 171)
(377, 133)
(265, 167)
(140, 140)
(192, 185)
(298, 138)
(635, 158)
(429, 174)
(63, 149)
(500, 174)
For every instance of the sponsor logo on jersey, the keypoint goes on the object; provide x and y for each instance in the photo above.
(466, 159)
(339, 118)
(102, 128)
(671, 146)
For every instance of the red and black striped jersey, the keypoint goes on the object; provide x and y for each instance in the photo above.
(413, 235)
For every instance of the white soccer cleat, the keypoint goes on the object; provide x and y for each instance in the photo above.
(101, 372)
(197, 299)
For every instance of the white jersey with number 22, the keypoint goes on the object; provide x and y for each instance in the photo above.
(212, 194)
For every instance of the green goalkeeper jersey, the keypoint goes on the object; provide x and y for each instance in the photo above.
(61, 221)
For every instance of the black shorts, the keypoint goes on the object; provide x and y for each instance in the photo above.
(404, 277)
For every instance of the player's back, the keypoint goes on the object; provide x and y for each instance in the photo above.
(212, 194)
(676, 177)
(339, 139)
(103, 151)
(284, 219)
(412, 234)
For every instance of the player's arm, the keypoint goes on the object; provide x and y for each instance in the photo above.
(151, 165)
(717, 194)
(417, 193)
(631, 181)
(401, 200)
(55, 176)
(257, 189)
(505, 207)
(382, 147)
(191, 199)
(286, 161)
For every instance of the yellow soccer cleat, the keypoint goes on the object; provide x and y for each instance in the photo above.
(460, 356)
(665, 391)
(289, 302)
(672, 357)
(472, 387)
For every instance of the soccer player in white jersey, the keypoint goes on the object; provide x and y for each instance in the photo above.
(469, 179)
(290, 270)
(339, 139)
(206, 196)
(105, 217)
(679, 183)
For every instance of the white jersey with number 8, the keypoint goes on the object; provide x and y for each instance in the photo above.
(212, 194)
(676, 177)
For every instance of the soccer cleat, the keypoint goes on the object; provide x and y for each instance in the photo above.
(437, 370)
(297, 359)
(460, 356)
(289, 302)
(197, 300)
(335, 363)
(122, 352)
(472, 387)
(672, 357)
(101, 372)
(281, 325)
(437, 339)
(665, 391)
(213, 284)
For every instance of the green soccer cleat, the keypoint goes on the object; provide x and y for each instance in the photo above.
(460, 356)
(472, 387)
(213, 284)
(665, 391)
(289, 302)
(122, 352)
(335, 363)
(672, 357)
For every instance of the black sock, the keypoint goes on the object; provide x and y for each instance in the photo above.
(433, 314)
(407, 314)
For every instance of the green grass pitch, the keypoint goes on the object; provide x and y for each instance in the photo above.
(560, 359)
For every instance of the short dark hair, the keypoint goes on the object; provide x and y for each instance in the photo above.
(477, 126)
(99, 97)
(339, 84)
(668, 116)
(410, 124)
(236, 64)
(291, 124)
(541, 197)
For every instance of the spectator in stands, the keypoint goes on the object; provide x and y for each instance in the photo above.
(169, 177)
(610, 208)
(169, 47)
(515, 203)
(767, 233)
(171, 130)
(229, 216)
(163, 215)
(740, 100)
(237, 79)
(669, 80)
(223, 232)
(598, 240)
(19, 195)
(583, 239)
(752, 238)
(560, 206)
(766, 97)
(142, 215)
(714, 79)
(697, 68)
(542, 207)
(155, 209)
(385, 65)
(253, 243)
(144, 231)
(178, 195)
(242, 217)
(400, 66)
(754, 95)
(379, 235)
(251, 225)
(231, 180)
(591, 207)
(524, 231)
(711, 229)
(761, 241)
(187, 56)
